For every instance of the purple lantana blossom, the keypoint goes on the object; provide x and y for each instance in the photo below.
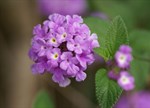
(69, 63)
(77, 45)
(123, 57)
(63, 7)
(138, 99)
(63, 46)
(126, 81)
(53, 57)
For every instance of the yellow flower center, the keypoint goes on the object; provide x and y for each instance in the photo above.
(55, 56)
(53, 40)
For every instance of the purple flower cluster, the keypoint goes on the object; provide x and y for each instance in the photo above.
(135, 100)
(64, 7)
(63, 46)
(120, 67)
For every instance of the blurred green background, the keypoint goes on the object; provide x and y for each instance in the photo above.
(20, 89)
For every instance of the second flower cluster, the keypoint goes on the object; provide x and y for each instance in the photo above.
(119, 68)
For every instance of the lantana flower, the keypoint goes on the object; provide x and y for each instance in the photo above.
(126, 81)
(63, 46)
(123, 57)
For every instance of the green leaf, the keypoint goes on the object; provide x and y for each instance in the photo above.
(116, 36)
(140, 71)
(107, 90)
(99, 27)
(42, 100)
(109, 38)
(139, 41)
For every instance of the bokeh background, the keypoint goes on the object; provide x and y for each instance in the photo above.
(19, 88)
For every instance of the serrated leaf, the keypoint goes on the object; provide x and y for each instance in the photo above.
(107, 90)
(42, 100)
(99, 27)
(109, 38)
(116, 36)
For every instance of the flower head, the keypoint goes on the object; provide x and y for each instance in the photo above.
(126, 81)
(63, 46)
(123, 57)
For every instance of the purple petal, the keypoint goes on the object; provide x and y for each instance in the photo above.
(65, 82)
(82, 61)
(85, 29)
(66, 55)
(78, 50)
(41, 41)
(52, 25)
(57, 77)
(42, 53)
(52, 63)
(64, 65)
(57, 18)
(38, 68)
(77, 19)
(70, 46)
(81, 76)
(37, 29)
(72, 70)
(95, 44)
(32, 55)
(94, 41)
(125, 49)
(56, 50)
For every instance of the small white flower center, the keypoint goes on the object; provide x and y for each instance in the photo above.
(125, 80)
(122, 59)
